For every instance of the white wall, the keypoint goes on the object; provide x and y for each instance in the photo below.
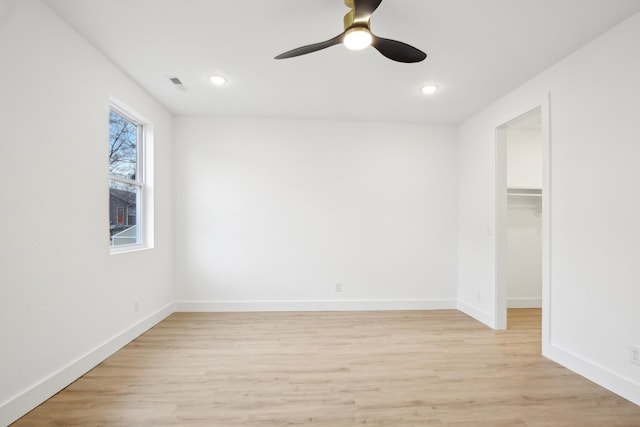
(272, 214)
(591, 305)
(524, 258)
(65, 303)
(524, 158)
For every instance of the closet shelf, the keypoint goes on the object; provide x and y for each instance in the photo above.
(527, 192)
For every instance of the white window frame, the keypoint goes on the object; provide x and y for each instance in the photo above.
(144, 202)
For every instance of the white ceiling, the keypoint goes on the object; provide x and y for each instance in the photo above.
(478, 50)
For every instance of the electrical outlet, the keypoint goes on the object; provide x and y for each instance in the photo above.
(479, 296)
(338, 287)
(634, 354)
(136, 306)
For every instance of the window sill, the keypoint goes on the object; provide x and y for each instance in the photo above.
(123, 249)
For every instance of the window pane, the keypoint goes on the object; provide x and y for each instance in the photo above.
(123, 146)
(123, 213)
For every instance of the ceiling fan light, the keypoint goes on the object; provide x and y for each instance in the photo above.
(357, 38)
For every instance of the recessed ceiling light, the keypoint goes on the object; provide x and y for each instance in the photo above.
(218, 80)
(429, 89)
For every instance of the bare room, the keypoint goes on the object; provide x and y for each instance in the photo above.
(323, 212)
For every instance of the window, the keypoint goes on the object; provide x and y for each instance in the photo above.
(126, 179)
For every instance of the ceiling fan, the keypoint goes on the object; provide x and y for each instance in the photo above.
(357, 35)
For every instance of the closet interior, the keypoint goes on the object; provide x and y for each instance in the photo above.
(524, 201)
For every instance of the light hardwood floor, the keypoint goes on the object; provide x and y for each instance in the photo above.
(396, 369)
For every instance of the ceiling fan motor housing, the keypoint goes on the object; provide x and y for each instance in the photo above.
(350, 21)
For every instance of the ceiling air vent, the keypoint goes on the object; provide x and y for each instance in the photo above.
(175, 80)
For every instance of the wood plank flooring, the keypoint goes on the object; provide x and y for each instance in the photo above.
(334, 369)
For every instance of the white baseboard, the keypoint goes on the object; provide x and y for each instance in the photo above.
(524, 302)
(600, 375)
(314, 305)
(476, 313)
(27, 400)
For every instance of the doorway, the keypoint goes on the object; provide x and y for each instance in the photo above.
(522, 147)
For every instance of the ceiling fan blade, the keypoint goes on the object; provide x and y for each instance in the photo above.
(364, 8)
(312, 47)
(398, 51)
